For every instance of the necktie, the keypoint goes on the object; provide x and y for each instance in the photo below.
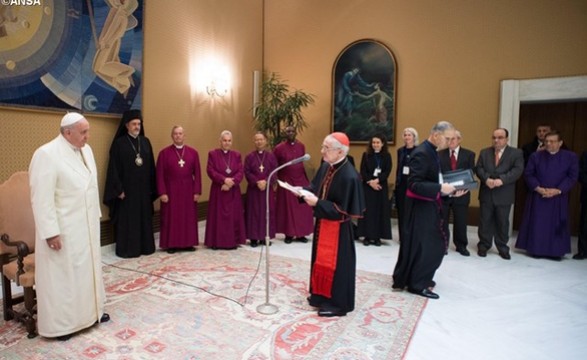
(497, 153)
(453, 160)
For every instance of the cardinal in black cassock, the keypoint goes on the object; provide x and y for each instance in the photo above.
(337, 200)
(131, 188)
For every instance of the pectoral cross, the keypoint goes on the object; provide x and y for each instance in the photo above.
(261, 167)
(181, 162)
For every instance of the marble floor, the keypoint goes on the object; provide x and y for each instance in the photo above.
(490, 308)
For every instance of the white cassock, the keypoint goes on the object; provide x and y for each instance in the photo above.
(65, 201)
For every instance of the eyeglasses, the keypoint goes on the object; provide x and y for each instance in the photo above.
(326, 148)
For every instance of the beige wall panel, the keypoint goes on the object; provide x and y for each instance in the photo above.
(451, 55)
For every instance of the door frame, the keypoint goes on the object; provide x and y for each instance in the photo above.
(514, 92)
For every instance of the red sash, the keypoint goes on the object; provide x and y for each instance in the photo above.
(326, 255)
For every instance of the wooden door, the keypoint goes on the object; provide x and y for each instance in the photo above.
(570, 119)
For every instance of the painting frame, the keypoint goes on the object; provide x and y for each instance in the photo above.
(85, 56)
(364, 83)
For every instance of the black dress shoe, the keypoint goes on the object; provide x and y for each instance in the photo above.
(463, 252)
(504, 255)
(288, 239)
(171, 251)
(302, 239)
(105, 318)
(331, 312)
(312, 303)
(253, 243)
(424, 292)
(64, 337)
(188, 249)
(376, 242)
(482, 253)
(366, 242)
(579, 256)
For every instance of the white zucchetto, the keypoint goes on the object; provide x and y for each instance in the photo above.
(71, 118)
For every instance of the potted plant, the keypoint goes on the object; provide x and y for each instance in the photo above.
(279, 107)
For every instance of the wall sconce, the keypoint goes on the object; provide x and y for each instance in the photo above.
(217, 87)
(210, 76)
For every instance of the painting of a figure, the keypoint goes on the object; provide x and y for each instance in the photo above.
(364, 91)
(71, 54)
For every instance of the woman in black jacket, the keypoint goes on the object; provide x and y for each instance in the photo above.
(375, 169)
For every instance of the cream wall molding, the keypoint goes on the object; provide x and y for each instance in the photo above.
(515, 92)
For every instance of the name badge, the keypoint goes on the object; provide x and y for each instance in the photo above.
(406, 170)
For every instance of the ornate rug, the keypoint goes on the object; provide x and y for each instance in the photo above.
(203, 305)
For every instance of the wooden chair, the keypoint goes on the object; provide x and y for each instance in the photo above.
(17, 247)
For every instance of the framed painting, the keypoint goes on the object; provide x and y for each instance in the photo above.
(70, 54)
(364, 88)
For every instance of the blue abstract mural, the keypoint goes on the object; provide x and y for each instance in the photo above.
(72, 54)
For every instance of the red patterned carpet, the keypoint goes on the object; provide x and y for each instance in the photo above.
(194, 306)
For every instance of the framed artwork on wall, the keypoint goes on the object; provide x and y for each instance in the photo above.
(70, 54)
(364, 88)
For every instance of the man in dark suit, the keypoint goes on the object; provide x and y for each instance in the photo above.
(457, 158)
(498, 168)
(538, 143)
(582, 244)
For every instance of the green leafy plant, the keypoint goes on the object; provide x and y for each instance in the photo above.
(279, 107)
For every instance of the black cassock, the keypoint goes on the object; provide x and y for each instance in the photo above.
(377, 221)
(423, 241)
(132, 216)
(342, 200)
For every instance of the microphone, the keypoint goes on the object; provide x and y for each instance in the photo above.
(298, 160)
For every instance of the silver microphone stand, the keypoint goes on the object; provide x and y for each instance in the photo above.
(268, 308)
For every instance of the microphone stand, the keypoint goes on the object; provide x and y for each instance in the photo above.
(267, 308)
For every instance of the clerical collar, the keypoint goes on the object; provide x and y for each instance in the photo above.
(260, 151)
(225, 151)
(73, 147)
(338, 161)
(132, 136)
(178, 146)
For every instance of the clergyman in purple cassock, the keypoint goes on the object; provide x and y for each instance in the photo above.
(259, 163)
(225, 223)
(550, 176)
(294, 219)
(179, 184)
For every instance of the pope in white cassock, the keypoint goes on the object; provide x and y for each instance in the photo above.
(66, 208)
